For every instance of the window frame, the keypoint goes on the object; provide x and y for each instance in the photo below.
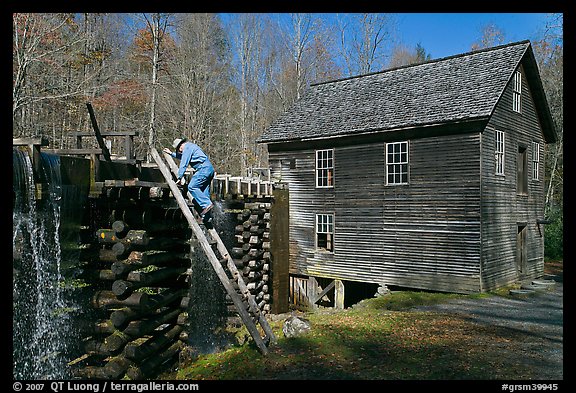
(395, 164)
(517, 92)
(329, 178)
(327, 227)
(499, 154)
(535, 160)
(522, 170)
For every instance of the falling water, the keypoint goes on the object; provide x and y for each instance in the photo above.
(207, 311)
(40, 313)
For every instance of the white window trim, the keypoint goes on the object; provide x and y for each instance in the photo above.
(328, 225)
(398, 163)
(316, 170)
(535, 161)
(500, 155)
(517, 93)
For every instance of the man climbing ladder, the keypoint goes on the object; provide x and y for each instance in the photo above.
(199, 186)
(223, 264)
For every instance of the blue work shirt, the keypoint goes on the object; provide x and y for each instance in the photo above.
(191, 155)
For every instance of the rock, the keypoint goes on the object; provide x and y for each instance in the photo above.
(544, 283)
(382, 290)
(521, 292)
(295, 327)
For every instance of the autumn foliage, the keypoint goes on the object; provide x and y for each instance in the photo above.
(126, 93)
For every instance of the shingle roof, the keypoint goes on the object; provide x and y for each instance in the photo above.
(462, 87)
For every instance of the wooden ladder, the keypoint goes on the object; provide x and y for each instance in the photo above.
(233, 282)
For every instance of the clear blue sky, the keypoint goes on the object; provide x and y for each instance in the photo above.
(447, 34)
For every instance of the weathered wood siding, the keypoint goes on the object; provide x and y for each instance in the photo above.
(502, 208)
(424, 235)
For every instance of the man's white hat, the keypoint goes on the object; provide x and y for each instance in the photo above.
(177, 142)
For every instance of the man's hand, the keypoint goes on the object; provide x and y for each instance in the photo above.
(167, 151)
(181, 181)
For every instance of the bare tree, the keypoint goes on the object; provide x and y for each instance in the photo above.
(297, 39)
(364, 40)
(99, 67)
(491, 35)
(37, 40)
(247, 33)
(157, 25)
(324, 66)
(549, 54)
(401, 56)
(200, 86)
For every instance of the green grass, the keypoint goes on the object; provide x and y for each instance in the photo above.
(379, 338)
(403, 300)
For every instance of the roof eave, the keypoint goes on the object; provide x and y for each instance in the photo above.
(366, 133)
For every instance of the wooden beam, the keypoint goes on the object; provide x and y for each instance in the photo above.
(312, 291)
(99, 138)
(339, 295)
(111, 133)
(74, 152)
(325, 290)
(279, 247)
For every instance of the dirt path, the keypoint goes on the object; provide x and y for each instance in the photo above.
(536, 319)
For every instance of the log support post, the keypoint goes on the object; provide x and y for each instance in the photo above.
(312, 291)
(338, 294)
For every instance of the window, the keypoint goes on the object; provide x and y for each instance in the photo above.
(522, 172)
(499, 149)
(325, 232)
(517, 94)
(535, 160)
(325, 168)
(397, 163)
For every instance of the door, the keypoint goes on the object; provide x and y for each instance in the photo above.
(521, 250)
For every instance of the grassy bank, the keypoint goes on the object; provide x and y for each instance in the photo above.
(380, 338)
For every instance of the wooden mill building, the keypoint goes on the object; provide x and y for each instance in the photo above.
(426, 176)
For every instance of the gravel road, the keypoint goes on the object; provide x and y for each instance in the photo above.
(538, 318)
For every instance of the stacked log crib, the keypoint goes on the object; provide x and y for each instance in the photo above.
(138, 261)
(138, 271)
(251, 252)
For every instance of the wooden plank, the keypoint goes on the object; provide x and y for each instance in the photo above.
(110, 133)
(143, 183)
(73, 152)
(302, 292)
